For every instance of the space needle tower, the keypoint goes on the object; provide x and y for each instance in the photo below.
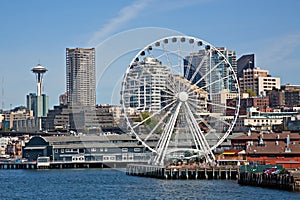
(39, 71)
(40, 107)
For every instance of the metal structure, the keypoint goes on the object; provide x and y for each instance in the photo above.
(39, 71)
(176, 88)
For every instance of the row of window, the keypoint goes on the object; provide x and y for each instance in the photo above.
(275, 121)
(135, 149)
(92, 150)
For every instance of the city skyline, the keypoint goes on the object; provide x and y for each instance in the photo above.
(34, 34)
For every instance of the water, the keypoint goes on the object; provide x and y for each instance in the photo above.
(114, 184)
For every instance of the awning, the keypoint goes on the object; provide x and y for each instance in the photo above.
(35, 148)
(229, 153)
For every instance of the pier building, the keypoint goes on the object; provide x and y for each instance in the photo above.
(88, 149)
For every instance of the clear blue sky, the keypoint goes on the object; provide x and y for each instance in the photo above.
(35, 31)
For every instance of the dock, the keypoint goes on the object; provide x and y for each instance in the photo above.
(12, 165)
(290, 182)
(183, 172)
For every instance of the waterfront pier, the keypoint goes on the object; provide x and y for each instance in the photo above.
(290, 181)
(18, 165)
(61, 165)
(183, 172)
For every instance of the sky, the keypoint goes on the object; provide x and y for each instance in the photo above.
(33, 32)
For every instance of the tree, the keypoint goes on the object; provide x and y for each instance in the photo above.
(251, 92)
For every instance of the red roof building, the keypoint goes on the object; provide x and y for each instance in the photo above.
(270, 148)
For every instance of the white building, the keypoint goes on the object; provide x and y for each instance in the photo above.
(267, 84)
(219, 100)
(259, 80)
(145, 85)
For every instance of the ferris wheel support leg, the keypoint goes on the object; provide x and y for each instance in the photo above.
(199, 134)
(165, 140)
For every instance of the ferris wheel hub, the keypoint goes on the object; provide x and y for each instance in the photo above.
(183, 96)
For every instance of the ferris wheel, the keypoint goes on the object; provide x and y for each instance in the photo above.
(183, 91)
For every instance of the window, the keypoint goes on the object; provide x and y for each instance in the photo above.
(68, 150)
(137, 149)
(93, 149)
(62, 150)
(55, 150)
(124, 149)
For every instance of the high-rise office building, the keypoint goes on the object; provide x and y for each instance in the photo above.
(38, 104)
(222, 71)
(198, 64)
(245, 62)
(81, 78)
(191, 63)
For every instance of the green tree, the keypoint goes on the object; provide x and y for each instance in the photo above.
(251, 92)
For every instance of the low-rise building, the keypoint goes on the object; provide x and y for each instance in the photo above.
(17, 114)
(270, 148)
(258, 80)
(102, 148)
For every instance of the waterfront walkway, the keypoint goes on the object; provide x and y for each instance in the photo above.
(183, 172)
(64, 164)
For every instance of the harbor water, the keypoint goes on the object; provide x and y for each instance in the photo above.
(115, 184)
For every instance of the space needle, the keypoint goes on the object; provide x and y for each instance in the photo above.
(39, 71)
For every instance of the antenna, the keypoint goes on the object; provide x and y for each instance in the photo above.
(3, 103)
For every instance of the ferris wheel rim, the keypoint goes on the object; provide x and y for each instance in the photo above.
(228, 131)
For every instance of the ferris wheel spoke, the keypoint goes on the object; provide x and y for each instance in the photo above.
(143, 83)
(191, 130)
(152, 115)
(212, 83)
(199, 67)
(222, 106)
(197, 101)
(162, 148)
(167, 56)
(198, 109)
(179, 59)
(148, 95)
(189, 62)
(198, 133)
(167, 126)
(197, 129)
(172, 86)
(200, 119)
(159, 123)
(208, 73)
(195, 106)
(221, 120)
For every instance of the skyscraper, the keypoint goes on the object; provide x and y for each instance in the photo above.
(222, 71)
(81, 78)
(191, 63)
(245, 62)
(198, 64)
